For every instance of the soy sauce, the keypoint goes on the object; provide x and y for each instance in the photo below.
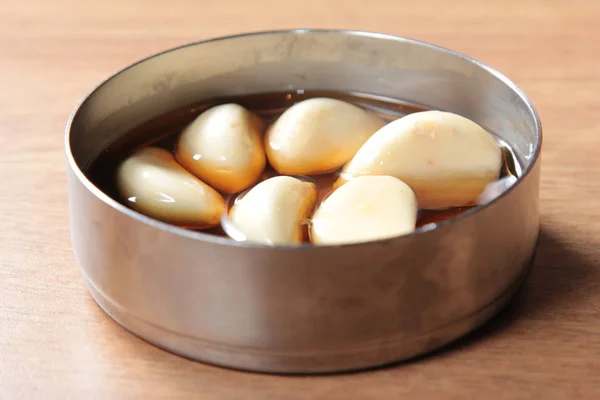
(163, 132)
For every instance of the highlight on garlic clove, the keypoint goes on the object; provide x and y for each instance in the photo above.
(273, 212)
(495, 189)
(365, 209)
(224, 147)
(446, 159)
(154, 184)
(318, 135)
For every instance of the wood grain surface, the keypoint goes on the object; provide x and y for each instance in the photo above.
(55, 343)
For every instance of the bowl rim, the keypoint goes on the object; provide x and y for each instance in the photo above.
(206, 237)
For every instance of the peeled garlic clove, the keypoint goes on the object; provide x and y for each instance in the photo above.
(365, 209)
(446, 159)
(223, 147)
(153, 183)
(318, 135)
(274, 211)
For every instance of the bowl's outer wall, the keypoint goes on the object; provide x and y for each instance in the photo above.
(302, 309)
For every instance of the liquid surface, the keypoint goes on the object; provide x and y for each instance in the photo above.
(163, 132)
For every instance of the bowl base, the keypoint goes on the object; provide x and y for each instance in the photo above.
(301, 363)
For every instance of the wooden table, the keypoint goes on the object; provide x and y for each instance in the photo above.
(56, 343)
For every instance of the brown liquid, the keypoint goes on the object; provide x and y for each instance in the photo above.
(163, 132)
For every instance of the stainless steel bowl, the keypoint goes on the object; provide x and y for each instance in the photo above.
(302, 308)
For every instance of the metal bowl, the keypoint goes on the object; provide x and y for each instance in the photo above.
(302, 309)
